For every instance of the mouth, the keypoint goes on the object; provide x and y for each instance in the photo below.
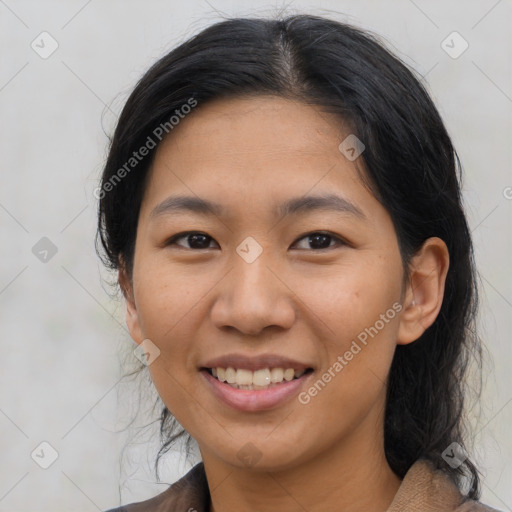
(261, 379)
(252, 383)
(255, 391)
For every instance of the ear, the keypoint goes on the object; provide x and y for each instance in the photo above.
(132, 316)
(425, 290)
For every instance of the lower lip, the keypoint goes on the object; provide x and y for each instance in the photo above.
(255, 400)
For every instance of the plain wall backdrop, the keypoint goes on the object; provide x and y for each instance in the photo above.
(65, 71)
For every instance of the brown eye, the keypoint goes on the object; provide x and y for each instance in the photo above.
(319, 240)
(195, 240)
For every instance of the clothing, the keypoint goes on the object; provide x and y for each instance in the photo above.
(422, 490)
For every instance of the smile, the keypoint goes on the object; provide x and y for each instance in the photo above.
(254, 397)
(264, 378)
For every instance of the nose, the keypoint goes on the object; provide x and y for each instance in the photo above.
(252, 297)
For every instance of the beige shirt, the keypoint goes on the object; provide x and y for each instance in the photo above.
(423, 489)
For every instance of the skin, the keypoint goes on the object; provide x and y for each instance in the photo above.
(297, 300)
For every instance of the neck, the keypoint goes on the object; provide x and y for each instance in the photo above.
(352, 476)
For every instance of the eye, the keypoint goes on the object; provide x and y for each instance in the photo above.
(317, 240)
(320, 240)
(195, 239)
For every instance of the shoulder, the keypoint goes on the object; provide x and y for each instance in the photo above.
(188, 494)
(424, 487)
(475, 506)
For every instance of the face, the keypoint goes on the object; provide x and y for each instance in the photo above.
(294, 266)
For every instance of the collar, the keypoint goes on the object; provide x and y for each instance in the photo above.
(423, 489)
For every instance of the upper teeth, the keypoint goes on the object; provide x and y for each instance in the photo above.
(263, 377)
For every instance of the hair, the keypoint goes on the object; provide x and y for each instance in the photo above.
(410, 166)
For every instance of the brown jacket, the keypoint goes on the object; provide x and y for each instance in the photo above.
(422, 490)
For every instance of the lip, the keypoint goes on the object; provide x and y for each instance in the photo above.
(256, 400)
(253, 363)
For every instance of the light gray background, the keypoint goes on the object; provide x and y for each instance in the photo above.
(62, 336)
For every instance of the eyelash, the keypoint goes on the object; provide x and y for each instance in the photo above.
(341, 242)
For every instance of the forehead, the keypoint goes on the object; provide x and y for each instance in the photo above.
(251, 123)
(254, 150)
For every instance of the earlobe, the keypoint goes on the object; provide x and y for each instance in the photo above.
(424, 294)
(132, 316)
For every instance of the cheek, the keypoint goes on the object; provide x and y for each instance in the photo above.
(170, 311)
(168, 296)
(351, 298)
(355, 322)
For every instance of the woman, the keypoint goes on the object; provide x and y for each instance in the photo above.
(281, 201)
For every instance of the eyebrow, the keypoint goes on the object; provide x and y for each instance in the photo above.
(325, 202)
